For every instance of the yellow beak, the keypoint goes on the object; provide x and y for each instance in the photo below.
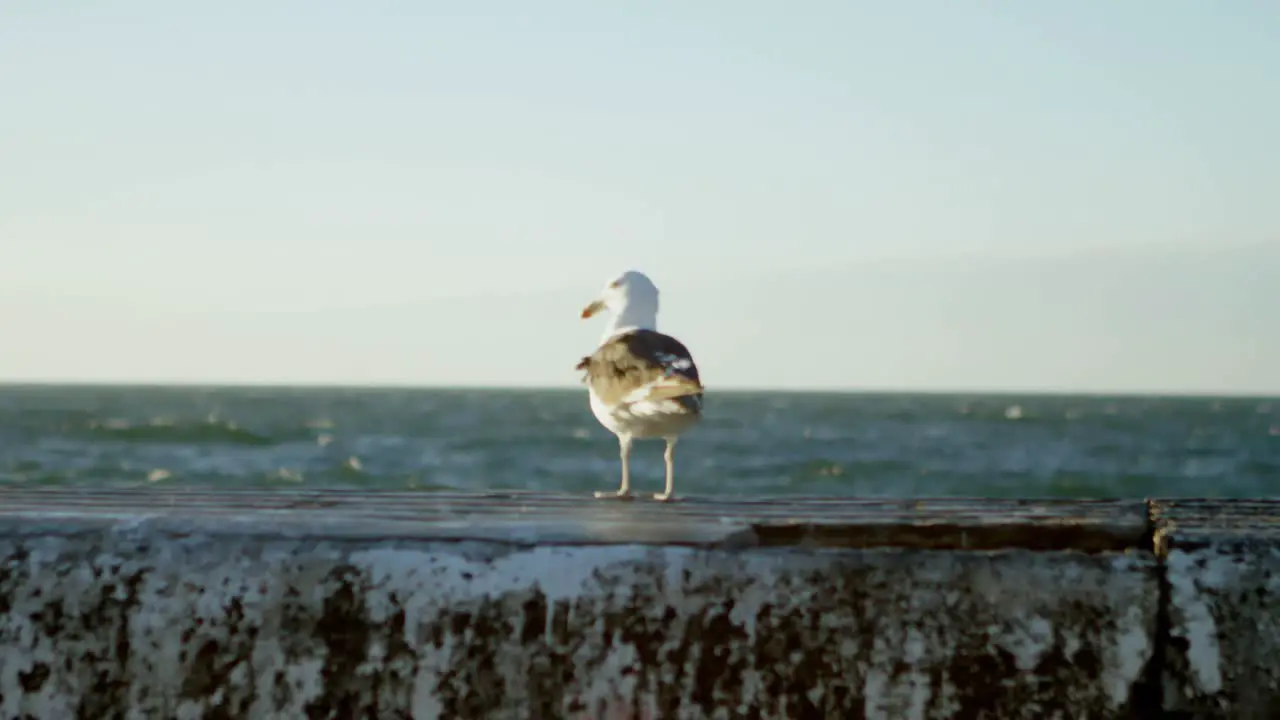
(592, 309)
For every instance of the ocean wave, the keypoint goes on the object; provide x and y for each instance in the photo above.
(161, 430)
(284, 477)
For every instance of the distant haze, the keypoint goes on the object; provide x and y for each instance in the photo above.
(915, 195)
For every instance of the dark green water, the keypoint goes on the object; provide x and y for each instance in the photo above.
(750, 443)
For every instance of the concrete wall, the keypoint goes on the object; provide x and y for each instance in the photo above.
(1221, 564)
(336, 605)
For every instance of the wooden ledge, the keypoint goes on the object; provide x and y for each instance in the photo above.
(525, 518)
(1193, 523)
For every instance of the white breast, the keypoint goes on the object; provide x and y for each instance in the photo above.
(643, 419)
(604, 415)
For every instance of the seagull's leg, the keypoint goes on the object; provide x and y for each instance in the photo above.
(671, 470)
(624, 453)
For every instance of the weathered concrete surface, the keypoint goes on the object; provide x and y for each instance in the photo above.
(132, 610)
(100, 625)
(1222, 561)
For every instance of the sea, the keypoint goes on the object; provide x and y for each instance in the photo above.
(750, 444)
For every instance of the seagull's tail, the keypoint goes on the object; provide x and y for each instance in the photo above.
(666, 388)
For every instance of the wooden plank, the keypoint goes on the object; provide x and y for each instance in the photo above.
(1189, 523)
(543, 518)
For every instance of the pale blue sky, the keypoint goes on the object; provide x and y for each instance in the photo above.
(414, 192)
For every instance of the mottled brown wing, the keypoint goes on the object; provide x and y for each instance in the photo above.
(633, 360)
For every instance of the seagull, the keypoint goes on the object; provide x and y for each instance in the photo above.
(641, 383)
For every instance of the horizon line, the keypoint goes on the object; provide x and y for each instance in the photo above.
(733, 389)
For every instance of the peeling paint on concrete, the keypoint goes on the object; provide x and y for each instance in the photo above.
(1224, 634)
(1221, 607)
(139, 625)
(1195, 624)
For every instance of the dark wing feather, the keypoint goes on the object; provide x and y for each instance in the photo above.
(636, 359)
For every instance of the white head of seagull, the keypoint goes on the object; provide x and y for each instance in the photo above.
(632, 299)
